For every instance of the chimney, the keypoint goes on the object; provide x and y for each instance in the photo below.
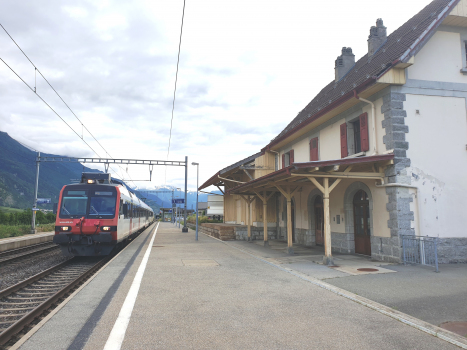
(377, 37)
(344, 63)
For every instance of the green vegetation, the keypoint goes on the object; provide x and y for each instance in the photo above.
(18, 223)
(10, 210)
(20, 230)
(201, 219)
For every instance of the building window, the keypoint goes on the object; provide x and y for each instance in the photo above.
(355, 142)
(287, 159)
(354, 136)
(314, 154)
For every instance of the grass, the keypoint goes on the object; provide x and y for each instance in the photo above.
(20, 230)
(10, 210)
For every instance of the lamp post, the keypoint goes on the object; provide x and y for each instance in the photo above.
(178, 213)
(197, 177)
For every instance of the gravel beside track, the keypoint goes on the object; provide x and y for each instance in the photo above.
(16, 272)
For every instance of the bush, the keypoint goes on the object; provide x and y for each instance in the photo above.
(19, 230)
(25, 217)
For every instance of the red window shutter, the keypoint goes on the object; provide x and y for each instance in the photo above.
(364, 141)
(291, 157)
(283, 161)
(344, 150)
(314, 149)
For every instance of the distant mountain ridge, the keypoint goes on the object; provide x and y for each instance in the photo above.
(18, 172)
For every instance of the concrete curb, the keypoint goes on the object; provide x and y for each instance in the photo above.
(38, 326)
(421, 325)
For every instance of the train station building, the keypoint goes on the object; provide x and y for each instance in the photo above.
(378, 155)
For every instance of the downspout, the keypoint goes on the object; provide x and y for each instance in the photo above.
(278, 158)
(373, 120)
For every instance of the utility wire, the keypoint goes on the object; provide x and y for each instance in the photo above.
(35, 91)
(175, 88)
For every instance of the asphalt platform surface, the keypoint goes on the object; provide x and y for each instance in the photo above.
(210, 295)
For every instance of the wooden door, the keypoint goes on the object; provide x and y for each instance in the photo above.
(319, 220)
(361, 209)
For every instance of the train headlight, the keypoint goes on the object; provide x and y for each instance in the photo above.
(105, 228)
(91, 181)
(65, 228)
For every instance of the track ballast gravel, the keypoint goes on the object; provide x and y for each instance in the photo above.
(14, 273)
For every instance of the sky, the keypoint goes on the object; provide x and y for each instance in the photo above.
(247, 68)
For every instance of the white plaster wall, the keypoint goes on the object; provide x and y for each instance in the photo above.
(329, 142)
(437, 149)
(336, 206)
(439, 60)
(301, 151)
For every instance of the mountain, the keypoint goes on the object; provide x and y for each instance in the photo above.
(18, 173)
(162, 195)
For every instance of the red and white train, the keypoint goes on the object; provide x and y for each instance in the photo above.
(97, 214)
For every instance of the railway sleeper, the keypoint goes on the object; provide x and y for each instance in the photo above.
(31, 298)
(34, 293)
(17, 309)
(33, 304)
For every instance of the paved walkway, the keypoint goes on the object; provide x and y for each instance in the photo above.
(209, 295)
(416, 290)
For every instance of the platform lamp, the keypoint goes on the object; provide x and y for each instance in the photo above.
(178, 212)
(197, 177)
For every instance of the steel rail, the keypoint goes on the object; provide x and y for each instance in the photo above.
(26, 252)
(37, 310)
(18, 326)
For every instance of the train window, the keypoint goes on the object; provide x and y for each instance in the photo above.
(103, 204)
(120, 209)
(74, 204)
(125, 211)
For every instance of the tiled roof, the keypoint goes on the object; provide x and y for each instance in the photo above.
(396, 45)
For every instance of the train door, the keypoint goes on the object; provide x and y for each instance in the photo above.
(131, 218)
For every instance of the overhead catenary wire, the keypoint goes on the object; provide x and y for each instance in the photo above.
(36, 70)
(175, 87)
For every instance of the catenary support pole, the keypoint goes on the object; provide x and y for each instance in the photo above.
(33, 222)
(197, 179)
(185, 229)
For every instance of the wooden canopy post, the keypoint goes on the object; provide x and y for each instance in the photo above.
(326, 190)
(265, 199)
(327, 225)
(248, 216)
(288, 196)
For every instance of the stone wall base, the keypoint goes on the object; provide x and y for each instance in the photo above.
(257, 233)
(386, 249)
(342, 242)
(452, 250)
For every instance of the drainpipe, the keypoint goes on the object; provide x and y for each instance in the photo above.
(373, 120)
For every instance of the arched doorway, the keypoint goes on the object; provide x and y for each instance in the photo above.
(361, 209)
(319, 220)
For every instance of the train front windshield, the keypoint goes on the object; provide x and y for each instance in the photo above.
(77, 203)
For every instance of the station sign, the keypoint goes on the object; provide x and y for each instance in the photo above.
(178, 201)
(44, 200)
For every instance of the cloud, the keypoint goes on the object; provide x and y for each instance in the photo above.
(243, 74)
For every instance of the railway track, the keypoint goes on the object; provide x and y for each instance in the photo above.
(14, 255)
(35, 297)
(22, 303)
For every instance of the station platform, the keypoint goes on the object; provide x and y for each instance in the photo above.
(23, 241)
(168, 291)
